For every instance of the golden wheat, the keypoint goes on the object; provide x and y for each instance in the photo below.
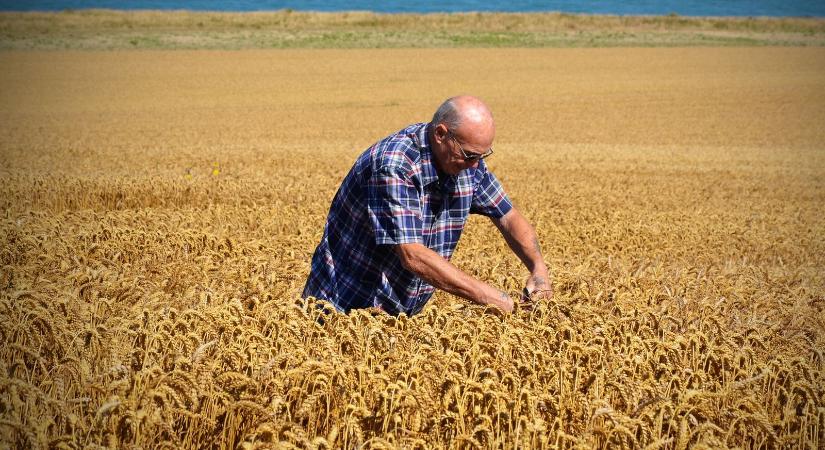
(153, 245)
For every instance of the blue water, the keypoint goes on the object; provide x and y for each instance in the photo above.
(814, 8)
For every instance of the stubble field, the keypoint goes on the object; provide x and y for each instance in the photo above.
(159, 211)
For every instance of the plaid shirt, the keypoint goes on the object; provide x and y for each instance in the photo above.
(394, 195)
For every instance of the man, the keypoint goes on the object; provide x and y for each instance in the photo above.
(398, 215)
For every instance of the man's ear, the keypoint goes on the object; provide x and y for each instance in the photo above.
(440, 132)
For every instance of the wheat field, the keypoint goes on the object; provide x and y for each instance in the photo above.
(159, 211)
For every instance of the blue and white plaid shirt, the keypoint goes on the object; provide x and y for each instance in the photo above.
(394, 195)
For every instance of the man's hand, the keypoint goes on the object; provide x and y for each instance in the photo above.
(501, 301)
(538, 286)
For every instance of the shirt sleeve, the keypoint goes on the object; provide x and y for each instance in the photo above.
(489, 198)
(394, 207)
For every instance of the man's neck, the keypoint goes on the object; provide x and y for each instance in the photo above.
(435, 152)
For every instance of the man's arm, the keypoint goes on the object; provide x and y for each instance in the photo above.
(522, 239)
(440, 273)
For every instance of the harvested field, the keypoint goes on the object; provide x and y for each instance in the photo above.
(197, 30)
(159, 211)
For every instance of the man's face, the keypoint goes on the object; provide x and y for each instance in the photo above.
(462, 148)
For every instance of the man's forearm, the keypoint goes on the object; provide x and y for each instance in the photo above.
(522, 239)
(439, 272)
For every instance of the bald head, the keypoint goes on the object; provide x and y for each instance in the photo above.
(461, 126)
(463, 110)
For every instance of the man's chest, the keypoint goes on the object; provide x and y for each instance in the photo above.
(445, 209)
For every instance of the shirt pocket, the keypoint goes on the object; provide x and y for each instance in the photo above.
(459, 208)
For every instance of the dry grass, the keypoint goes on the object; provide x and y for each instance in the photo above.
(105, 29)
(160, 209)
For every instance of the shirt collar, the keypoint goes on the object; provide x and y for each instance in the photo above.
(429, 173)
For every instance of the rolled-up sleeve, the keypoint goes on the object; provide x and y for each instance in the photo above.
(489, 198)
(394, 207)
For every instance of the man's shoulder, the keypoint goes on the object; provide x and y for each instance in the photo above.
(400, 151)
(477, 174)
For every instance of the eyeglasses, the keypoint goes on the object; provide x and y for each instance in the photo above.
(470, 156)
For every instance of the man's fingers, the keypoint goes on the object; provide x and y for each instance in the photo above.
(533, 294)
(546, 294)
